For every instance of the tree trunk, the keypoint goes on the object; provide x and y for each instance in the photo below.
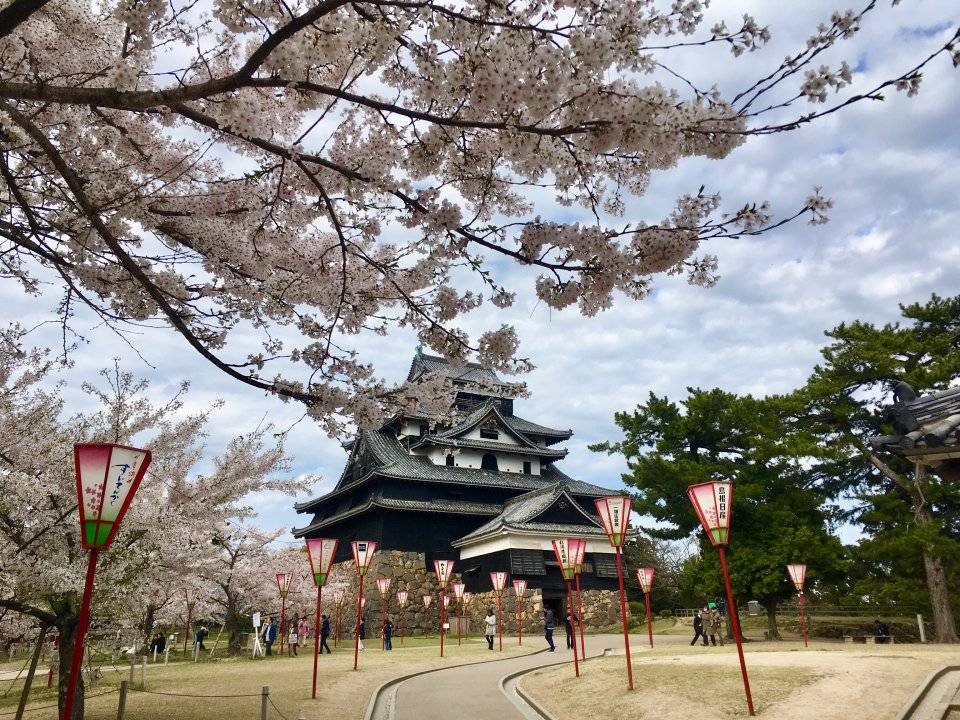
(149, 619)
(773, 632)
(231, 625)
(67, 626)
(944, 624)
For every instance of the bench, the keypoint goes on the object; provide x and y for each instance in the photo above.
(871, 639)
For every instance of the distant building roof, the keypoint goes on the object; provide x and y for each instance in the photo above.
(927, 426)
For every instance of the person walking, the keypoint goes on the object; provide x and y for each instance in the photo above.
(303, 630)
(490, 627)
(293, 639)
(388, 634)
(202, 632)
(715, 627)
(269, 635)
(698, 628)
(548, 629)
(569, 628)
(361, 633)
(324, 633)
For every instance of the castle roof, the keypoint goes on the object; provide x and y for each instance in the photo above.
(926, 425)
(386, 457)
(464, 374)
(521, 515)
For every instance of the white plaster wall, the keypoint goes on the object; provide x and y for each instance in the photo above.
(468, 458)
(505, 437)
(525, 542)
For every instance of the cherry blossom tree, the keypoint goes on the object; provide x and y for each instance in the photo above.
(330, 167)
(171, 525)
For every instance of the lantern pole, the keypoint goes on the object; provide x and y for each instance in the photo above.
(356, 631)
(583, 651)
(83, 621)
(520, 620)
(500, 617)
(459, 619)
(803, 620)
(735, 621)
(316, 640)
(646, 600)
(443, 616)
(283, 610)
(576, 662)
(336, 637)
(623, 616)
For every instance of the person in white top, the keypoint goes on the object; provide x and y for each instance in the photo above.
(490, 625)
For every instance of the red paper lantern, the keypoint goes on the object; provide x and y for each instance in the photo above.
(383, 585)
(446, 601)
(798, 574)
(108, 476)
(562, 549)
(321, 552)
(443, 570)
(363, 551)
(713, 503)
(458, 590)
(645, 578)
(402, 596)
(427, 599)
(499, 580)
(283, 583)
(614, 513)
(519, 587)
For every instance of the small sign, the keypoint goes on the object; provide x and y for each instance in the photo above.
(256, 619)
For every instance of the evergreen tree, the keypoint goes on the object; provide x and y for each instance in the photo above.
(779, 510)
(911, 513)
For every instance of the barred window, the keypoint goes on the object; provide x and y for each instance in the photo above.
(605, 564)
(527, 562)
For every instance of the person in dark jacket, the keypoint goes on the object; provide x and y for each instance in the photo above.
(202, 632)
(388, 634)
(569, 628)
(269, 635)
(548, 628)
(324, 633)
(698, 629)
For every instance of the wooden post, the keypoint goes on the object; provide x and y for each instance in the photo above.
(154, 654)
(122, 705)
(133, 662)
(143, 673)
(166, 655)
(923, 634)
(28, 681)
(264, 702)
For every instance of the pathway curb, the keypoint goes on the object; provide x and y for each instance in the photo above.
(921, 693)
(372, 704)
(527, 698)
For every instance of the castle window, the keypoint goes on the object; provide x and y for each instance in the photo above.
(490, 431)
(489, 462)
(526, 467)
(450, 459)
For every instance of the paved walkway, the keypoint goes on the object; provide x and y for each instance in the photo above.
(472, 692)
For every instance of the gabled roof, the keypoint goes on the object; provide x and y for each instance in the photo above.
(520, 514)
(453, 437)
(390, 459)
(465, 374)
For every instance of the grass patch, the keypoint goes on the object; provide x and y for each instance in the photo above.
(664, 690)
(338, 686)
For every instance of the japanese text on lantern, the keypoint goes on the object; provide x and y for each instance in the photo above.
(721, 504)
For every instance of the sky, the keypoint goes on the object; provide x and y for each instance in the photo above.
(892, 170)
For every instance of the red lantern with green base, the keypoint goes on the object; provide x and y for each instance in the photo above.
(444, 571)
(108, 476)
(713, 503)
(402, 597)
(458, 590)
(519, 588)
(363, 551)
(498, 579)
(321, 552)
(579, 548)
(383, 587)
(283, 586)
(645, 578)
(798, 574)
(565, 549)
(614, 513)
